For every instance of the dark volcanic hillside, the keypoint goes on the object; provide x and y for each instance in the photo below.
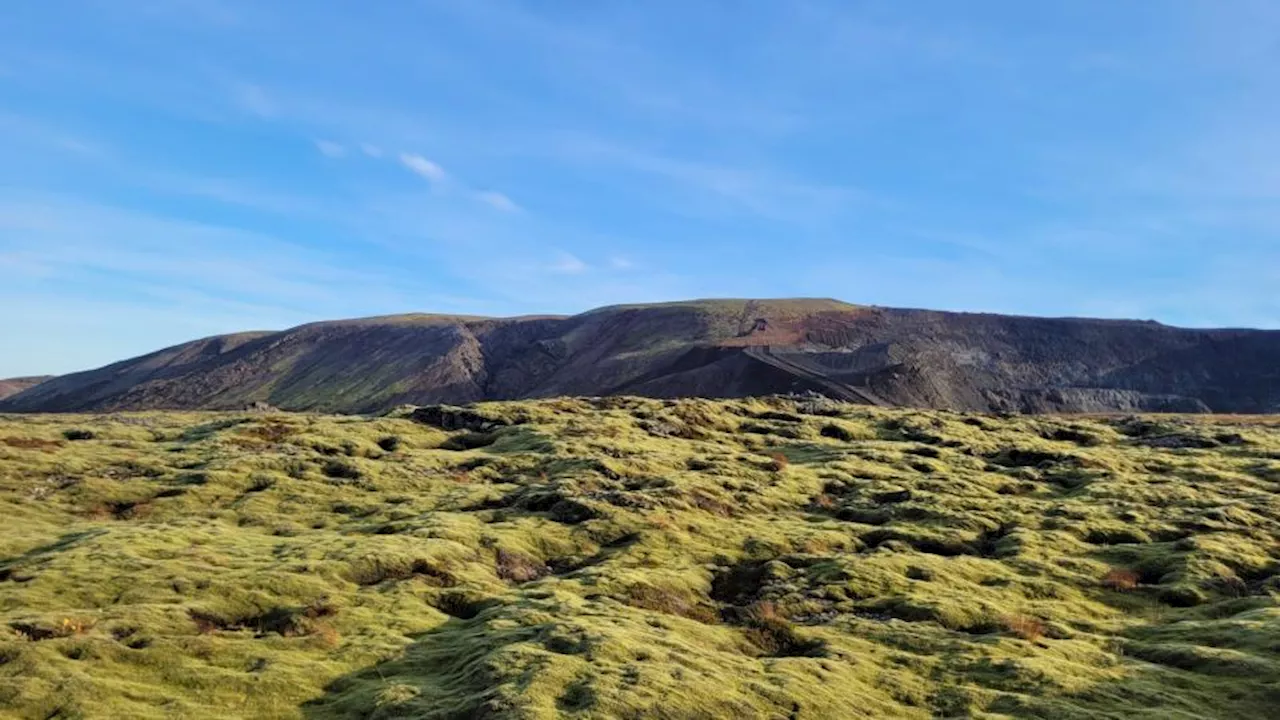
(720, 348)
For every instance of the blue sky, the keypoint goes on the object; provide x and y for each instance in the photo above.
(178, 168)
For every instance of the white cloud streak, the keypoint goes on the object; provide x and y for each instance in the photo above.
(255, 100)
(497, 201)
(331, 149)
(423, 167)
(568, 264)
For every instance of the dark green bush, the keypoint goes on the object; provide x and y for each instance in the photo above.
(341, 470)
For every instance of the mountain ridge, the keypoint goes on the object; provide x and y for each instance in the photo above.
(710, 348)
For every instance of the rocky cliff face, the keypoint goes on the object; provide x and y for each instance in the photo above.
(721, 348)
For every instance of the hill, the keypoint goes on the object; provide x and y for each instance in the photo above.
(13, 386)
(627, 557)
(713, 348)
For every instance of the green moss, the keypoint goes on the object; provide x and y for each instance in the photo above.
(623, 557)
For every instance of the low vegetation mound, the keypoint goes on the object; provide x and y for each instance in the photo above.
(628, 558)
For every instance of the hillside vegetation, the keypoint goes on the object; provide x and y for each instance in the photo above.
(636, 558)
(706, 348)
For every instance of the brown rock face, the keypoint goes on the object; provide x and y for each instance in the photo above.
(13, 386)
(710, 348)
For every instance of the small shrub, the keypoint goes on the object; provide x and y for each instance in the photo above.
(837, 432)
(390, 443)
(1120, 579)
(699, 464)
(341, 470)
(922, 574)
(469, 440)
(259, 482)
(572, 512)
(193, 478)
(296, 469)
(78, 434)
(577, 697)
(778, 462)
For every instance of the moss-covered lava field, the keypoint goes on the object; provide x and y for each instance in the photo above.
(631, 558)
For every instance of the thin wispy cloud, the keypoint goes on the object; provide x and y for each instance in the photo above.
(331, 149)
(370, 150)
(712, 188)
(73, 237)
(568, 264)
(255, 100)
(423, 167)
(497, 201)
(46, 133)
